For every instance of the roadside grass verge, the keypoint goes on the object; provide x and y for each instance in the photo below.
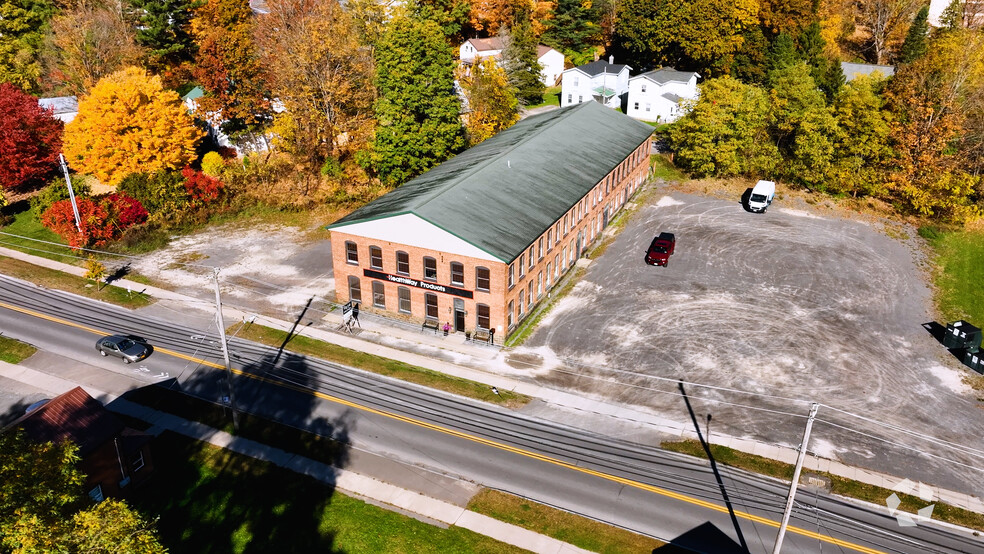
(959, 287)
(26, 225)
(530, 324)
(14, 351)
(211, 500)
(838, 485)
(663, 168)
(377, 364)
(53, 279)
(580, 531)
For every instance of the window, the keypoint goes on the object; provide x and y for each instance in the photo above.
(509, 313)
(580, 99)
(539, 285)
(548, 275)
(529, 296)
(567, 223)
(430, 303)
(564, 253)
(457, 274)
(404, 295)
(483, 316)
(96, 494)
(355, 289)
(430, 268)
(522, 302)
(557, 233)
(575, 80)
(568, 98)
(531, 257)
(643, 90)
(403, 263)
(647, 106)
(482, 278)
(379, 294)
(351, 252)
(549, 242)
(539, 249)
(511, 282)
(522, 266)
(635, 105)
(375, 257)
(573, 253)
(557, 267)
(137, 462)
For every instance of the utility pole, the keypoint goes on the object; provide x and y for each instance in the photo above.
(71, 193)
(225, 351)
(796, 477)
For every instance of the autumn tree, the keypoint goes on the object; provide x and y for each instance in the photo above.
(521, 61)
(417, 109)
(30, 139)
(451, 16)
(801, 124)
(165, 32)
(369, 18)
(750, 63)
(228, 68)
(492, 105)
(726, 131)
(22, 30)
(321, 74)
(786, 16)
(862, 146)
(129, 123)
(90, 40)
(884, 21)
(489, 16)
(916, 38)
(826, 72)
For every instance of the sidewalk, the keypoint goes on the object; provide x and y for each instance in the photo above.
(344, 480)
(452, 355)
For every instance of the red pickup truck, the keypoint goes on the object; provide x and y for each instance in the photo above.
(660, 249)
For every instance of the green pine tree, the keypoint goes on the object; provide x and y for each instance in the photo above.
(520, 61)
(750, 62)
(952, 16)
(782, 53)
(915, 43)
(573, 29)
(825, 72)
(417, 109)
(164, 30)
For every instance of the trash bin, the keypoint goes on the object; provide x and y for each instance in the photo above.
(961, 334)
(975, 361)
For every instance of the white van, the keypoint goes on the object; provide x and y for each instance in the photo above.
(762, 195)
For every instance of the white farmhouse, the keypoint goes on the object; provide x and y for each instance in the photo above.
(604, 82)
(64, 108)
(659, 95)
(550, 60)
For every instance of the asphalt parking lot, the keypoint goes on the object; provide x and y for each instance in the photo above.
(783, 304)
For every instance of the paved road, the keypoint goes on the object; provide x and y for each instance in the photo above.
(638, 487)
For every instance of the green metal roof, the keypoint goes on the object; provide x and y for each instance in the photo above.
(502, 194)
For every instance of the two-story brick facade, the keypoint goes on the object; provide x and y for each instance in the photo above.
(478, 241)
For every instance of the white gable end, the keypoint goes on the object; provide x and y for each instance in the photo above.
(411, 230)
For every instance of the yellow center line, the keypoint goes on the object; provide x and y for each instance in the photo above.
(480, 440)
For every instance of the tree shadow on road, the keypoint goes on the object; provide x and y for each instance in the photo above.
(703, 538)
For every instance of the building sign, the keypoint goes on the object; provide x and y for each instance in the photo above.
(426, 285)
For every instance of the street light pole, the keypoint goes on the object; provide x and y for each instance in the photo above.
(225, 351)
(796, 476)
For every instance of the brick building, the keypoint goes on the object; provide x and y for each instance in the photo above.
(478, 241)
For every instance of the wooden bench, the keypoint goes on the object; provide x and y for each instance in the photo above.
(481, 334)
(431, 323)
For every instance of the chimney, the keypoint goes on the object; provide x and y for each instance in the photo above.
(611, 59)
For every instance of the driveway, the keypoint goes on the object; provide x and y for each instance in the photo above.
(791, 306)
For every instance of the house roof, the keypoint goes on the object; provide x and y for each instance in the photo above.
(852, 70)
(502, 194)
(665, 75)
(60, 104)
(542, 50)
(73, 416)
(598, 67)
(194, 94)
(486, 44)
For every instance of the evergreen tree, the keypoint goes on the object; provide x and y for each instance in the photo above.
(572, 29)
(417, 108)
(825, 72)
(952, 16)
(914, 46)
(750, 62)
(520, 60)
(164, 30)
(782, 53)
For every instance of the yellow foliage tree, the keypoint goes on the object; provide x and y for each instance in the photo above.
(128, 124)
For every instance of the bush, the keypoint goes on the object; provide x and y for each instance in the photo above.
(100, 222)
(331, 168)
(160, 193)
(202, 188)
(930, 232)
(212, 164)
(57, 191)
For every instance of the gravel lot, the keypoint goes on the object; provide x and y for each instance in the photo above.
(786, 304)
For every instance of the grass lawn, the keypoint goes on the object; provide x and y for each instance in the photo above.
(838, 485)
(663, 168)
(14, 351)
(959, 287)
(551, 97)
(52, 279)
(570, 528)
(25, 225)
(378, 364)
(214, 501)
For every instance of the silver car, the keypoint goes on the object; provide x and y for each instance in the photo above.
(122, 347)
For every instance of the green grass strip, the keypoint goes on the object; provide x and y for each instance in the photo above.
(838, 485)
(403, 371)
(959, 287)
(14, 351)
(54, 279)
(580, 531)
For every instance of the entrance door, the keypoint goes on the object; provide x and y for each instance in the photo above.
(580, 242)
(459, 315)
(604, 222)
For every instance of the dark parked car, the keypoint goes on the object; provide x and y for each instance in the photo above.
(122, 347)
(660, 249)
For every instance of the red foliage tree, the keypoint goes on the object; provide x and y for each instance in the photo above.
(202, 188)
(125, 211)
(101, 222)
(30, 139)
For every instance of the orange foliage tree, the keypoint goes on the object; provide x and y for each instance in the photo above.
(130, 124)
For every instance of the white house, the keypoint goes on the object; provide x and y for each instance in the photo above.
(64, 108)
(604, 82)
(551, 60)
(973, 12)
(659, 95)
(852, 70)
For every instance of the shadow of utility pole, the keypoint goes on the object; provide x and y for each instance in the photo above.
(714, 469)
(292, 332)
